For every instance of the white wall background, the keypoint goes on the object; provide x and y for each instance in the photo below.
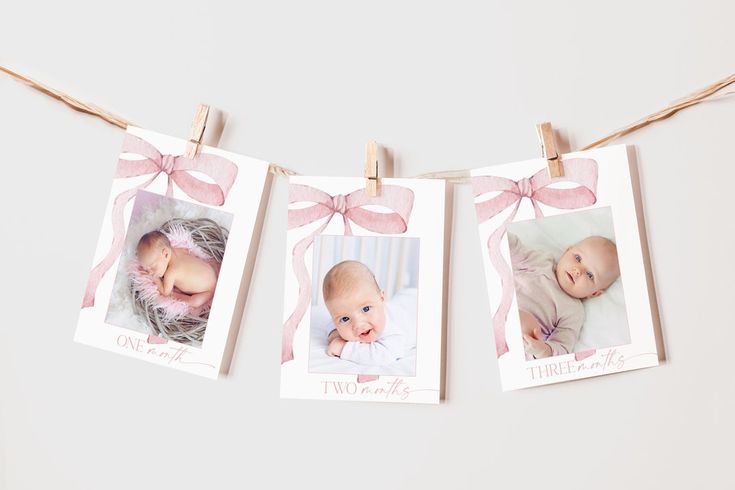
(306, 84)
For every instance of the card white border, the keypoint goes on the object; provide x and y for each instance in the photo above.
(614, 189)
(426, 222)
(242, 201)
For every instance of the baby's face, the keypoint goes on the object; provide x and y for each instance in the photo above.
(154, 260)
(359, 314)
(587, 268)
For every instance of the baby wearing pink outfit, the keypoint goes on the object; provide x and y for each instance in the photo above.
(550, 292)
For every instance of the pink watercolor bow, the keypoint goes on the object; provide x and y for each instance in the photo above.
(396, 198)
(176, 168)
(580, 171)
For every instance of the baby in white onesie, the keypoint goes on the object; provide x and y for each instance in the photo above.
(356, 305)
(549, 292)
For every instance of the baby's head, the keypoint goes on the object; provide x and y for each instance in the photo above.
(154, 253)
(354, 301)
(588, 267)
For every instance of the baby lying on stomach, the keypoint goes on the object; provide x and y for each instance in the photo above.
(356, 305)
(550, 292)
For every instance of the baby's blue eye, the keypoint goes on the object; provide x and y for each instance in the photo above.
(344, 319)
(591, 276)
(577, 258)
(365, 309)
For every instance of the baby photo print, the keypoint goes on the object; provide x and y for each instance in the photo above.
(363, 310)
(169, 268)
(364, 305)
(171, 254)
(566, 275)
(564, 267)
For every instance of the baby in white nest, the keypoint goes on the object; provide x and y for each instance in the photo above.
(364, 334)
(175, 271)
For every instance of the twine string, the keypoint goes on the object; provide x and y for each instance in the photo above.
(667, 112)
(452, 176)
(283, 171)
(70, 101)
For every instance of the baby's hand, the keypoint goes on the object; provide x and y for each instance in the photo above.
(535, 346)
(335, 346)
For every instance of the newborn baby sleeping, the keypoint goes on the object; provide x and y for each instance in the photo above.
(365, 332)
(175, 271)
(550, 293)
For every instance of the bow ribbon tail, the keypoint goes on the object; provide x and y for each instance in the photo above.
(506, 279)
(348, 230)
(536, 208)
(302, 276)
(118, 235)
(169, 186)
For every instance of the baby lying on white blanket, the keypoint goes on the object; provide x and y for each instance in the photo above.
(366, 330)
(550, 292)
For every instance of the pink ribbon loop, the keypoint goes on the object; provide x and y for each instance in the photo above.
(581, 171)
(222, 171)
(399, 200)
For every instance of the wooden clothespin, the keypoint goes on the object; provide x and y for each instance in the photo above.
(197, 131)
(548, 149)
(371, 168)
